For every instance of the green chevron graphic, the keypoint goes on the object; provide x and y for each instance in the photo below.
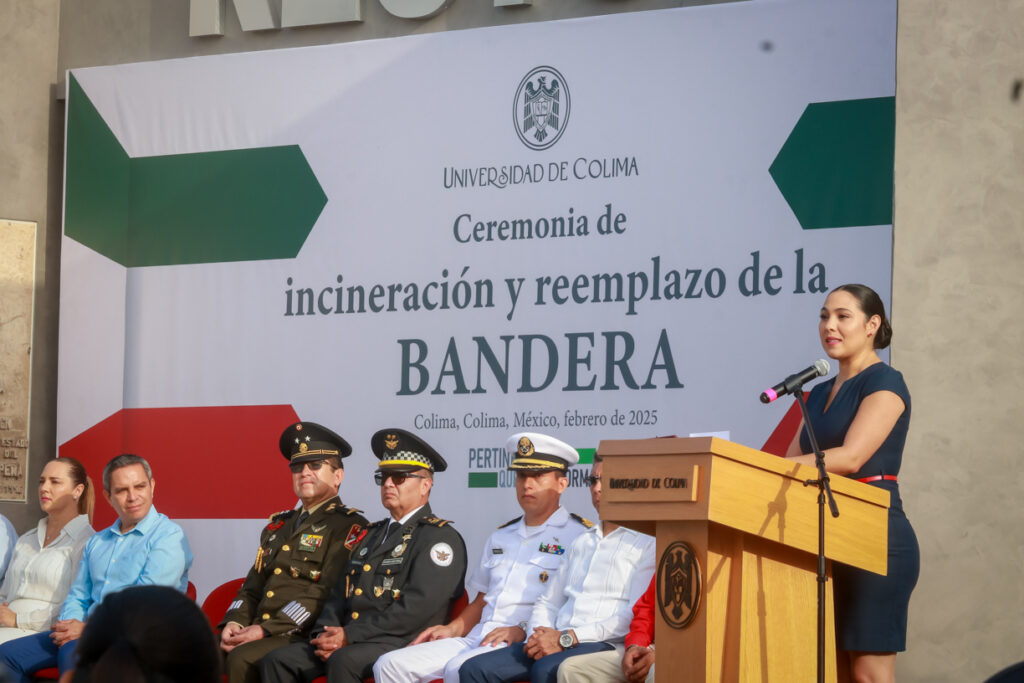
(206, 207)
(836, 167)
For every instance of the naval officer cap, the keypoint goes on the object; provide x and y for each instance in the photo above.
(540, 453)
(308, 441)
(402, 451)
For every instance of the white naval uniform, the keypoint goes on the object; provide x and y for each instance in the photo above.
(517, 566)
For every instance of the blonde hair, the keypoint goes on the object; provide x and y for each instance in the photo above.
(77, 475)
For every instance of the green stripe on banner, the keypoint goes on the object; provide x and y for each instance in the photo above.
(483, 480)
(586, 455)
(206, 207)
(836, 167)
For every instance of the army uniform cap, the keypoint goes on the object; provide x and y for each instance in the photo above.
(540, 452)
(402, 451)
(308, 441)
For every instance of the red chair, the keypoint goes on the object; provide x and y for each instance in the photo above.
(457, 607)
(216, 603)
(190, 591)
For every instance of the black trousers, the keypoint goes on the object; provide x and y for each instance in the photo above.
(297, 663)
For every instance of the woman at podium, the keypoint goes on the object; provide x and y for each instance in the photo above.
(860, 418)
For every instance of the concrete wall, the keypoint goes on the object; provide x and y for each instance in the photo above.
(31, 157)
(957, 299)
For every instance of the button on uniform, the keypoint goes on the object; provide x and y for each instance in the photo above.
(270, 594)
(355, 615)
(359, 591)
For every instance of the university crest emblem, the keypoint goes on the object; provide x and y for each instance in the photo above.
(541, 108)
(679, 584)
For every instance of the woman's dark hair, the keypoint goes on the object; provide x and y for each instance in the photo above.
(871, 304)
(147, 634)
(77, 475)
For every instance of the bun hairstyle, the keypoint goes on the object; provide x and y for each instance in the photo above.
(77, 475)
(871, 304)
(147, 634)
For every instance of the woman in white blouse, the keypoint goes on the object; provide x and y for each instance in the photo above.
(45, 560)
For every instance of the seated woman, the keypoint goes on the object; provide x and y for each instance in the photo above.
(45, 559)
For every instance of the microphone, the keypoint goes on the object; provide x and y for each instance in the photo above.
(795, 382)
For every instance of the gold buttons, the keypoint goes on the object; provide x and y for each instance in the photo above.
(265, 616)
(277, 570)
(367, 567)
(359, 591)
(270, 594)
(285, 548)
(355, 615)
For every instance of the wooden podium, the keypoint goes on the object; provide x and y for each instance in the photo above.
(737, 547)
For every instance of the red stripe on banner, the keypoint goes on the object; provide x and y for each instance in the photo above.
(783, 435)
(218, 462)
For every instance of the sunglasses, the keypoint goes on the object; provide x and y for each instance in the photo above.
(296, 467)
(397, 477)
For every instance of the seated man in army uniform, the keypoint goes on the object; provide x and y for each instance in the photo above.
(518, 562)
(402, 577)
(301, 555)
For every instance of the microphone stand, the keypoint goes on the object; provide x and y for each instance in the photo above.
(824, 489)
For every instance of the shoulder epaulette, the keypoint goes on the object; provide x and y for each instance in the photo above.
(379, 522)
(510, 522)
(434, 521)
(348, 511)
(281, 516)
(582, 520)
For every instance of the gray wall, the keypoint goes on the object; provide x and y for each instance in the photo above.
(957, 299)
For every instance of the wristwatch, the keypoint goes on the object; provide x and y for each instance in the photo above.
(566, 640)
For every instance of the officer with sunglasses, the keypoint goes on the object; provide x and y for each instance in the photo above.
(301, 555)
(402, 577)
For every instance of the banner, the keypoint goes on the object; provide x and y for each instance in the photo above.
(602, 228)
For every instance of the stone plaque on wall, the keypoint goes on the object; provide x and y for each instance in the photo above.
(17, 288)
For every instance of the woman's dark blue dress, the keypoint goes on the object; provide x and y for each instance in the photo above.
(871, 610)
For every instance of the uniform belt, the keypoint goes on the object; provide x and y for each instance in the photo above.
(878, 477)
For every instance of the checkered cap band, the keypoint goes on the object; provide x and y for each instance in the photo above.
(406, 458)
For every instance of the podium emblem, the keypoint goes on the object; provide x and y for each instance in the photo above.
(541, 107)
(679, 585)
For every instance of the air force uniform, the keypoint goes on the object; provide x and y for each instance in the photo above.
(517, 565)
(394, 585)
(300, 558)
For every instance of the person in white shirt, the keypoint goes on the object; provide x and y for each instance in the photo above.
(587, 607)
(46, 558)
(7, 538)
(518, 561)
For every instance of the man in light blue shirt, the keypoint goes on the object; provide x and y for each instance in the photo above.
(142, 547)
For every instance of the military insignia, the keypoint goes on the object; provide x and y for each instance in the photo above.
(679, 585)
(543, 577)
(258, 564)
(552, 549)
(582, 520)
(362, 553)
(317, 529)
(391, 441)
(308, 543)
(303, 447)
(442, 554)
(525, 447)
(395, 593)
(314, 574)
(391, 561)
(294, 572)
(355, 534)
(399, 549)
(510, 522)
(348, 588)
(497, 551)
(541, 108)
(389, 581)
(274, 526)
(331, 507)
(378, 591)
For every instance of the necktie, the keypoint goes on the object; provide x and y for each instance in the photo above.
(392, 528)
(300, 519)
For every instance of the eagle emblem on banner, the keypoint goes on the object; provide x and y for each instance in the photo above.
(542, 107)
